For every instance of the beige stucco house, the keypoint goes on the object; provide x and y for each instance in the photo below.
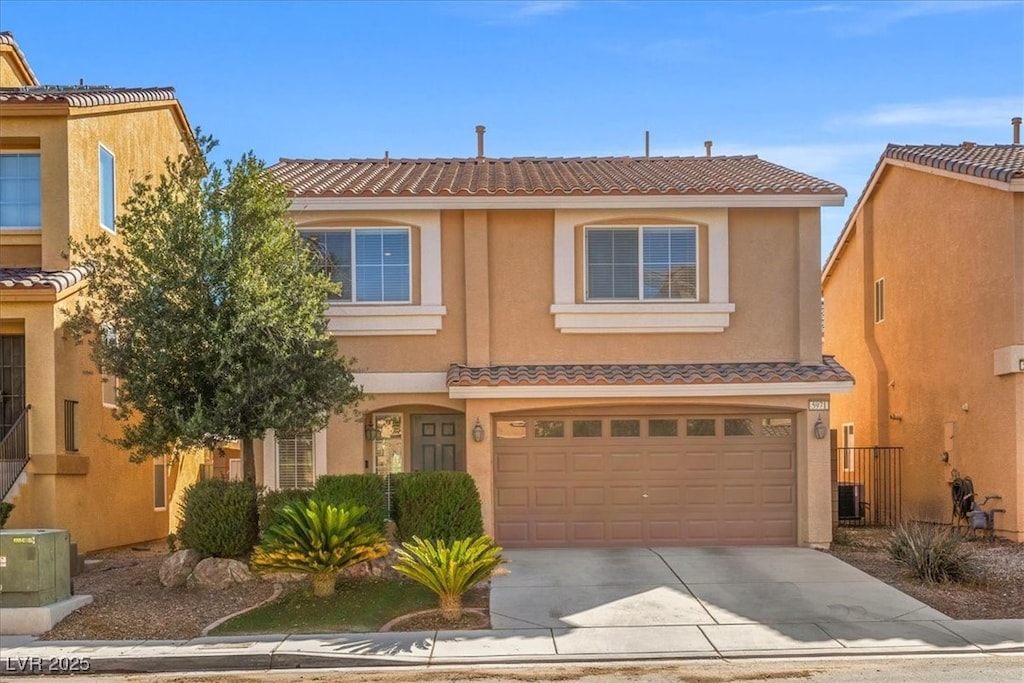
(621, 351)
(68, 156)
(924, 303)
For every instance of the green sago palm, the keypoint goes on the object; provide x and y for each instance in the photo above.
(318, 539)
(449, 570)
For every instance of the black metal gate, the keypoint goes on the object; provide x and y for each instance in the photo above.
(868, 485)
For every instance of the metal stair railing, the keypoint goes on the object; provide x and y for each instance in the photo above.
(14, 452)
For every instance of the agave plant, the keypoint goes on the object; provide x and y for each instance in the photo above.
(451, 570)
(318, 539)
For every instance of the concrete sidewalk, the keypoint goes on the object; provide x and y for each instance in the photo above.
(598, 605)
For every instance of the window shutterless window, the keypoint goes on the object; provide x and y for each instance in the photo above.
(880, 300)
(644, 263)
(159, 483)
(372, 265)
(107, 202)
(20, 191)
(295, 461)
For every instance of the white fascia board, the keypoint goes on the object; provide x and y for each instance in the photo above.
(653, 391)
(567, 202)
(363, 321)
(641, 318)
(403, 382)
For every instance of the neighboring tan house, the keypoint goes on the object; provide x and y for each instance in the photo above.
(68, 156)
(621, 351)
(924, 303)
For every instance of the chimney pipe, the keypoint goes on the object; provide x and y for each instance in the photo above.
(480, 130)
(707, 148)
(1016, 129)
(387, 159)
(647, 144)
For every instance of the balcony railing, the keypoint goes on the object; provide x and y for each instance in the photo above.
(14, 452)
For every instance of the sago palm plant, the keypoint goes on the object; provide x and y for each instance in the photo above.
(449, 570)
(320, 540)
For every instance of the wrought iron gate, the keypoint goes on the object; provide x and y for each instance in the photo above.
(868, 485)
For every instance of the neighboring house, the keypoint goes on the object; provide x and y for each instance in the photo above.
(68, 156)
(924, 303)
(621, 351)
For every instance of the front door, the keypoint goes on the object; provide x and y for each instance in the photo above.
(438, 443)
(12, 379)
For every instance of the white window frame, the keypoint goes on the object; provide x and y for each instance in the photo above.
(160, 476)
(113, 188)
(848, 441)
(270, 460)
(353, 231)
(27, 152)
(880, 300)
(640, 229)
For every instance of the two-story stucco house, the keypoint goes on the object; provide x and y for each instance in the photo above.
(621, 351)
(68, 156)
(924, 303)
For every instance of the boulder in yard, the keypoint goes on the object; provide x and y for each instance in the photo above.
(218, 573)
(176, 568)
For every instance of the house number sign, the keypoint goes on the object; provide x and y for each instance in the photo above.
(817, 405)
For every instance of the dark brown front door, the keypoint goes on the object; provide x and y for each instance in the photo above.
(438, 443)
(12, 379)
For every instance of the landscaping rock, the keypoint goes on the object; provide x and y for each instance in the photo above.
(380, 567)
(175, 569)
(284, 577)
(218, 573)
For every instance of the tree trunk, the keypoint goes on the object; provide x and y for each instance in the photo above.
(323, 584)
(451, 607)
(248, 461)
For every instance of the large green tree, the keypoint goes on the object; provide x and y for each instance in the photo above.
(209, 309)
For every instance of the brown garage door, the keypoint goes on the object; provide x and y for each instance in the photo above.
(659, 480)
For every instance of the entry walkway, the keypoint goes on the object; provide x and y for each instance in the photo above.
(591, 605)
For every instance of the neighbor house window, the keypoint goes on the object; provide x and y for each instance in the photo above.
(642, 263)
(848, 451)
(372, 265)
(70, 425)
(159, 483)
(20, 191)
(106, 188)
(880, 300)
(295, 460)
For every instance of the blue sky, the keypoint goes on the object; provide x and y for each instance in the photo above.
(820, 87)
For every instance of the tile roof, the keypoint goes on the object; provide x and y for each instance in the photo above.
(995, 162)
(525, 176)
(611, 374)
(7, 38)
(36, 278)
(83, 95)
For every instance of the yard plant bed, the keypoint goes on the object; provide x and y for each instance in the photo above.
(995, 591)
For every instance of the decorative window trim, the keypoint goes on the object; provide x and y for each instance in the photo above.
(27, 229)
(270, 478)
(113, 189)
(650, 316)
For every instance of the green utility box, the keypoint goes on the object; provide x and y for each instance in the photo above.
(35, 567)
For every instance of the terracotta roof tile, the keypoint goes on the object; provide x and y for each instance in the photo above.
(33, 278)
(84, 95)
(686, 373)
(996, 162)
(7, 38)
(525, 176)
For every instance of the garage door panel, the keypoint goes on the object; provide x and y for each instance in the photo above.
(625, 495)
(587, 462)
(700, 495)
(739, 462)
(511, 462)
(549, 497)
(513, 497)
(551, 532)
(549, 462)
(625, 531)
(664, 462)
(781, 494)
(513, 533)
(664, 495)
(588, 495)
(778, 461)
(701, 462)
(626, 462)
(589, 532)
(743, 494)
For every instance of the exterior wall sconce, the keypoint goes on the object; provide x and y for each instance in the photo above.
(819, 428)
(478, 431)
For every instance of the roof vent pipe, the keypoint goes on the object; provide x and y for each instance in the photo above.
(707, 148)
(1016, 129)
(480, 130)
(647, 144)
(387, 159)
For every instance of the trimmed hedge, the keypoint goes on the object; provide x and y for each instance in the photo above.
(346, 490)
(219, 518)
(438, 505)
(271, 503)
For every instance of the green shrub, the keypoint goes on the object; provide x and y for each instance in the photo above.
(346, 490)
(219, 518)
(5, 512)
(271, 502)
(931, 552)
(318, 539)
(438, 505)
(449, 570)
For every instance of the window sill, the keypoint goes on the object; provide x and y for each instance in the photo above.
(642, 318)
(354, 320)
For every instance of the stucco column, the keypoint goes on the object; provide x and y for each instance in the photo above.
(478, 294)
(479, 459)
(41, 380)
(809, 278)
(814, 475)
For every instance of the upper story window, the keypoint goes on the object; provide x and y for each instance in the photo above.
(372, 265)
(20, 190)
(880, 300)
(107, 202)
(642, 263)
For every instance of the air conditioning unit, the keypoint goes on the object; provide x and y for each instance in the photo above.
(851, 497)
(35, 567)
